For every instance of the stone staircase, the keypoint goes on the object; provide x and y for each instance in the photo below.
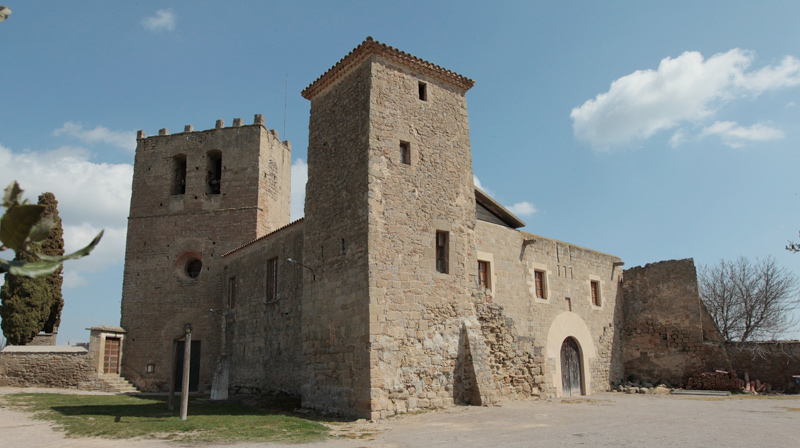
(118, 384)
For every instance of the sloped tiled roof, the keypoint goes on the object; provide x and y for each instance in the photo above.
(370, 47)
(262, 237)
(498, 210)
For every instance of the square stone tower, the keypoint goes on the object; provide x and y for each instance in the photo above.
(196, 195)
(389, 231)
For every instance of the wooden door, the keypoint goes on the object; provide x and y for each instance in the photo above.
(194, 366)
(111, 356)
(570, 368)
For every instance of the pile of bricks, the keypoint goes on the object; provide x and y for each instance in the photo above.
(718, 380)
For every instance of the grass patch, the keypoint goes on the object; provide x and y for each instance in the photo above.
(123, 416)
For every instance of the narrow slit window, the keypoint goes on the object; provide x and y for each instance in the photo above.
(442, 252)
(232, 293)
(272, 279)
(405, 153)
(423, 91)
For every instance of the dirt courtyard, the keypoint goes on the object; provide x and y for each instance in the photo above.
(608, 419)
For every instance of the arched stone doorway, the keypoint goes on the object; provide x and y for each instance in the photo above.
(568, 325)
(571, 377)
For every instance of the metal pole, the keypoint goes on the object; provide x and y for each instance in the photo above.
(187, 355)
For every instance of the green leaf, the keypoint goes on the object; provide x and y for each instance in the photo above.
(42, 229)
(12, 196)
(31, 270)
(75, 255)
(16, 225)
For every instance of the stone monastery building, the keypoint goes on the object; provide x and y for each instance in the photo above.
(404, 287)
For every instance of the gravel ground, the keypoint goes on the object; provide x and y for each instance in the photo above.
(609, 419)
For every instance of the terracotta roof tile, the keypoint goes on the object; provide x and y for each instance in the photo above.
(263, 237)
(370, 47)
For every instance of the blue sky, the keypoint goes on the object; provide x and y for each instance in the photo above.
(649, 130)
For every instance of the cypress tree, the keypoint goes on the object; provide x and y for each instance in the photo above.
(31, 305)
(53, 245)
(25, 304)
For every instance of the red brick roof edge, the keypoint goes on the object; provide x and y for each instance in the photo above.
(370, 47)
(262, 237)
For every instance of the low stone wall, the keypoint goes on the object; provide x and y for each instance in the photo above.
(48, 366)
(773, 362)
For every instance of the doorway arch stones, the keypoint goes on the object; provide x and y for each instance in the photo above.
(568, 324)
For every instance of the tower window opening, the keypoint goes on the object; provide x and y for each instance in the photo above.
(214, 172)
(178, 174)
(423, 91)
(405, 153)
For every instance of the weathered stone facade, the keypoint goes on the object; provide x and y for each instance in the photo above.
(403, 288)
(668, 333)
(180, 218)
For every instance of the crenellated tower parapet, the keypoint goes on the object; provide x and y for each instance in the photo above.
(195, 196)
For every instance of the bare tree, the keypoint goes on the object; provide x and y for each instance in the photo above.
(750, 300)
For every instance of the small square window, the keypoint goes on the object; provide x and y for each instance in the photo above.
(442, 249)
(151, 368)
(405, 153)
(423, 91)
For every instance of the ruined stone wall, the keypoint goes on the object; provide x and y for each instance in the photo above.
(61, 367)
(263, 335)
(335, 318)
(665, 335)
(773, 362)
(166, 231)
(516, 363)
(544, 323)
(416, 312)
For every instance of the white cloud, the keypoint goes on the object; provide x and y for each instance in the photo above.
(121, 139)
(298, 185)
(683, 90)
(737, 136)
(163, 20)
(479, 186)
(524, 208)
(91, 196)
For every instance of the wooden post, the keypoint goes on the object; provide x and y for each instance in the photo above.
(173, 371)
(187, 355)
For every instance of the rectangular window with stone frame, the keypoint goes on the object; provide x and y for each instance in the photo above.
(484, 274)
(540, 285)
(596, 293)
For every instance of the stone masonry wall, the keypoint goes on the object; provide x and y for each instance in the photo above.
(61, 369)
(416, 312)
(263, 337)
(335, 317)
(517, 365)
(665, 336)
(773, 362)
(514, 257)
(166, 230)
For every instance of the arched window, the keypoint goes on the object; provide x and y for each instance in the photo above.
(178, 174)
(214, 172)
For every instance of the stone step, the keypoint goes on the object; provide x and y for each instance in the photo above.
(119, 384)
